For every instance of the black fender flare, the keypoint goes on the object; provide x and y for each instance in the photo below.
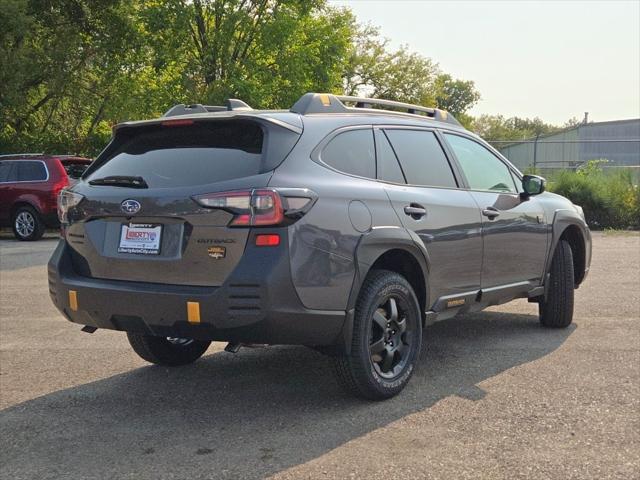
(372, 246)
(563, 219)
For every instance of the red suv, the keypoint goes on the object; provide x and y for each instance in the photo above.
(29, 188)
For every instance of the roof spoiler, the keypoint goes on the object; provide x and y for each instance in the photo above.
(232, 104)
(329, 103)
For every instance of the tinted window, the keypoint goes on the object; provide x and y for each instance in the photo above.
(352, 152)
(74, 169)
(422, 158)
(197, 154)
(31, 171)
(484, 171)
(5, 172)
(388, 166)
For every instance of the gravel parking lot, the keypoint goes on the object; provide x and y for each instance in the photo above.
(496, 396)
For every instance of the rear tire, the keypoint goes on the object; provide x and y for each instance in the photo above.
(170, 352)
(27, 224)
(387, 338)
(556, 311)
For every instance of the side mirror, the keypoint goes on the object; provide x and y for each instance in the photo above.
(533, 184)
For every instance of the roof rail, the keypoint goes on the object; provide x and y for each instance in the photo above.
(328, 103)
(232, 104)
(22, 155)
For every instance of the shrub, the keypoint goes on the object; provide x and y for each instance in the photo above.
(609, 199)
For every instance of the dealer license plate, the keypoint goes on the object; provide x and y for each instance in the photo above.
(140, 238)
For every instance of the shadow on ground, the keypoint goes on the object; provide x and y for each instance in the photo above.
(246, 415)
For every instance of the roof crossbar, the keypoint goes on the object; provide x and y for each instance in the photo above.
(232, 104)
(328, 103)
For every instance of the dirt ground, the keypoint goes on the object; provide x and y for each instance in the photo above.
(495, 395)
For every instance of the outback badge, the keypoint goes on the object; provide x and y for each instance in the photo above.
(217, 252)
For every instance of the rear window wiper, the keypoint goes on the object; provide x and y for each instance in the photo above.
(120, 181)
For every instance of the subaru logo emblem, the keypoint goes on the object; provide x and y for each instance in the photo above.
(130, 206)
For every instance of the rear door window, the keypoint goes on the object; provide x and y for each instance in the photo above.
(422, 159)
(388, 167)
(31, 171)
(193, 154)
(352, 152)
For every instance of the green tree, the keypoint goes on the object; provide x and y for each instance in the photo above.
(454, 95)
(70, 69)
(376, 71)
(497, 127)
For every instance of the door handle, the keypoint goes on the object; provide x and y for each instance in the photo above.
(491, 212)
(415, 211)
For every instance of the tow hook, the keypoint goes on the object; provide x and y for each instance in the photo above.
(88, 329)
(234, 347)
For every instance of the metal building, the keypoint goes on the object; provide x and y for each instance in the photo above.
(617, 141)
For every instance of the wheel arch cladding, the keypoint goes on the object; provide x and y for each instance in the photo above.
(405, 263)
(573, 235)
(395, 250)
(569, 226)
(23, 203)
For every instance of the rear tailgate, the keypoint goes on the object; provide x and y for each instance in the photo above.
(159, 234)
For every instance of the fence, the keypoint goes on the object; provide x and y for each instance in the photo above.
(547, 156)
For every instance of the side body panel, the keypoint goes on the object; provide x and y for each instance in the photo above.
(323, 242)
(450, 232)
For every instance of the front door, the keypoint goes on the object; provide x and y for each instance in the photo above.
(514, 228)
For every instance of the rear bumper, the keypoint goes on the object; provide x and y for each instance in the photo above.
(257, 304)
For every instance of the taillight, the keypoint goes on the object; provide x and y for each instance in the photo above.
(250, 207)
(67, 200)
(260, 207)
(60, 184)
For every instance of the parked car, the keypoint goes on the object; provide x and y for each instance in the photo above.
(346, 229)
(29, 188)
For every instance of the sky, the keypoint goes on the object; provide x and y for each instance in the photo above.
(549, 59)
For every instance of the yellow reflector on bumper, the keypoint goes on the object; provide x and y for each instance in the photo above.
(193, 312)
(73, 300)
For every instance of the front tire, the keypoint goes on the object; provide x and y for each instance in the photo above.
(167, 351)
(387, 338)
(556, 311)
(27, 224)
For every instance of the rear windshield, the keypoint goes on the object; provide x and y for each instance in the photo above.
(193, 154)
(74, 169)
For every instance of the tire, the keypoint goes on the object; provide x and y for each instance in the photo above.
(386, 340)
(556, 311)
(27, 224)
(167, 351)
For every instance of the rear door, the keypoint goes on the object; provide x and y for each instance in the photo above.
(444, 217)
(31, 184)
(160, 234)
(514, 228)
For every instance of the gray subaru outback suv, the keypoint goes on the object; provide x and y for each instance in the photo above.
(344, 224)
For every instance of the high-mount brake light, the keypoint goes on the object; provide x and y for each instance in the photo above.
(177, 123)
(260, 207)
